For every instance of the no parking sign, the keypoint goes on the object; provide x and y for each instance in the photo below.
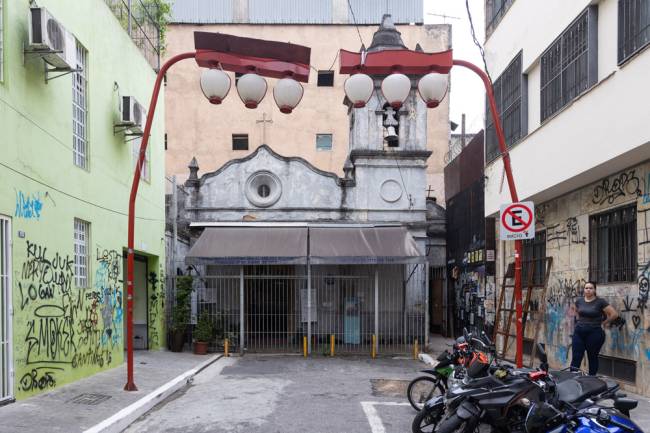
(517, 221)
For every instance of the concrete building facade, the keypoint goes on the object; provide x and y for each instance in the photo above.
(318, 129)
(570, 78)
(65, 177)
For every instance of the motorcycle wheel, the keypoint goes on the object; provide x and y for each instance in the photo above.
(425, 422)
(422, 389)
(454, 424)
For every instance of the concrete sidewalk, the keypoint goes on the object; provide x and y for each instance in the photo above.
(85, 403)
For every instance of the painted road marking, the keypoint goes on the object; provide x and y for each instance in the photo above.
(376, 426)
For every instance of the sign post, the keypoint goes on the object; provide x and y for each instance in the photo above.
(517, 222)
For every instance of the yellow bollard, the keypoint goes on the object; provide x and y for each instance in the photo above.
(416, 349)
(374, 347)
(304, 346)
(332, 345)
(225, 348)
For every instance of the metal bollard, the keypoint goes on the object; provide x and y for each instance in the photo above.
(416, 349)
(373, 352)
(332, 345)
(304, 346)
(225, 348)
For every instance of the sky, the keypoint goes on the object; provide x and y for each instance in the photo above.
(467, 92)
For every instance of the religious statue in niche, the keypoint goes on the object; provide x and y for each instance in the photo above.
(391, 126)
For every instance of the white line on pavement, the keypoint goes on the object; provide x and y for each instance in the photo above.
(376, 426)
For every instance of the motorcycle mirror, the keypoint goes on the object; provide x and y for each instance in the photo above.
(486, 338)
(541, 354)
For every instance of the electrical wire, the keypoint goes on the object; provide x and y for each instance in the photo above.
(354, 18)
(476, 42)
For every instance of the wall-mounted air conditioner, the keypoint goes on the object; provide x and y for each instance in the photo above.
(133, 115)
(51, 40)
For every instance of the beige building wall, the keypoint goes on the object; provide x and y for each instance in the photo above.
(197, 128)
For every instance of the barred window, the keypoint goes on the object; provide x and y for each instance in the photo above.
(612, 245)
(323, 141)
(240, 142)
(494, 12)
(80, 110)
(81, 249)
(534, 258)
(145, 171)
(570, 64)
(508, 91)
(633, 27)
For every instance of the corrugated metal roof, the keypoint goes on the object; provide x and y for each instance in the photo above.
(293, 11)
(202, 11)
(371, 11)
(290, 12)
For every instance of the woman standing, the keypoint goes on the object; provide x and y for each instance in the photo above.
(594, 313)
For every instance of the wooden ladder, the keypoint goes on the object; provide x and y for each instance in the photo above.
(503, 326)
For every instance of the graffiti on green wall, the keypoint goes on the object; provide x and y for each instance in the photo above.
(66, 328)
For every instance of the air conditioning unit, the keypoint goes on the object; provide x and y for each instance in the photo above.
(133, 115)
(48, 37)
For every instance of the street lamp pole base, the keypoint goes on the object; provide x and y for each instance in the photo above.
(130, 386)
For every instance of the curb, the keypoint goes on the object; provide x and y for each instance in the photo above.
(122, 419)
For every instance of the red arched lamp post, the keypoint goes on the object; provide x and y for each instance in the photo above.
(217, 53)
(433, 68)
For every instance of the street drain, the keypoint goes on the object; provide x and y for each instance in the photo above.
(389, 387)
(89, 399)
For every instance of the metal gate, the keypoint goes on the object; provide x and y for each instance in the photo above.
(345, 305)
(6, 382)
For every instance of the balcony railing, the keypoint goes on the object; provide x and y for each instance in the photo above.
(138, 18)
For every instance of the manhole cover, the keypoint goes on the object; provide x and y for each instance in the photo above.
(389, 387)
(89, 399)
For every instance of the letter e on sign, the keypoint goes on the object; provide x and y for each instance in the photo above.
(517, 221)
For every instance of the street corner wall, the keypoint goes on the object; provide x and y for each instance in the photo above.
(156, 329)
(62, 332)
(566, 221)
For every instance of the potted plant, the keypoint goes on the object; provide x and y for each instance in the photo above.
(180, 313)
(203, 333)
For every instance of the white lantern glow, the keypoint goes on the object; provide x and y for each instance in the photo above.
(215, 85)
(358, 89)
(432, 89)
(251, 88)
(396, 88)
(287, 94)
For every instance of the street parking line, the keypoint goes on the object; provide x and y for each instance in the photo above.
(376, 426)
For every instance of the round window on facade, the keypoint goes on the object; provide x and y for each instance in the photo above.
(263, 189)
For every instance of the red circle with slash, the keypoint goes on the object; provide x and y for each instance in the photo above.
(525, 224)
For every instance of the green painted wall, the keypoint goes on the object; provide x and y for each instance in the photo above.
(61, 332)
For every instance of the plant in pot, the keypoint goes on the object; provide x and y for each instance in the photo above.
(203, 333)
(180, 313)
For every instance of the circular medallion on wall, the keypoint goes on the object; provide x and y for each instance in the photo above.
(390, 191)
(263, 189)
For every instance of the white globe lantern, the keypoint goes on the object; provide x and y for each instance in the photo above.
(358, 88)
(251, 88)
(396, 88)
(432, 89)
(287, 94)
(215, 85)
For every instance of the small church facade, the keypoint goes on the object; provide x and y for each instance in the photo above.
(289, 258)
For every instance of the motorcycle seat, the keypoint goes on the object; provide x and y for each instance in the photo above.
(578, 389)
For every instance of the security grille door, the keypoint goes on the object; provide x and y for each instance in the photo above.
(6, 385)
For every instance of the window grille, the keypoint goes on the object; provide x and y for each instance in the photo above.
(80, 110)
(494, 12)
(534, 254)
(145, 171)
(81, 249)
(240, 142)
(323, 141)
(613, 246)
(618, 368)
(1, 40)
(633, 27)
(325, 78)
(508, 91)
(569, 65)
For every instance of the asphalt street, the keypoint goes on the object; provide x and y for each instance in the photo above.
(289, 394)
